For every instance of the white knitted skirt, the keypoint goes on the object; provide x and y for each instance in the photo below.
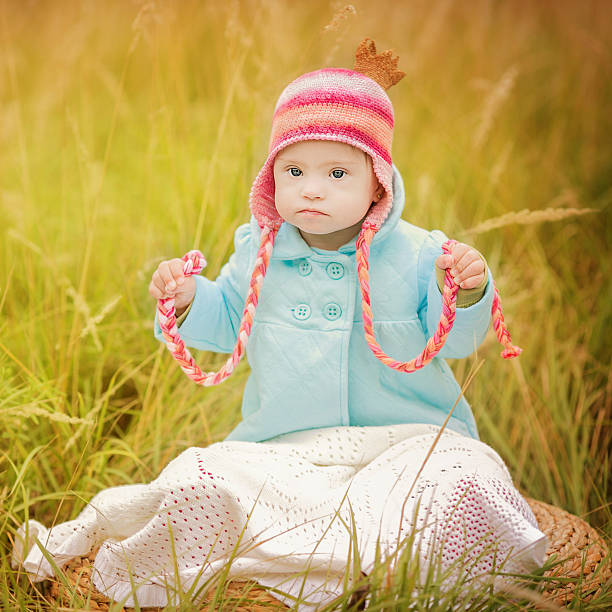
(288, 513)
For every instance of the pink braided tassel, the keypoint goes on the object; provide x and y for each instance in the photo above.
(449, 302)
(503, 335)
(194, 264)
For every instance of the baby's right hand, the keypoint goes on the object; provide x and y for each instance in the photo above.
(169, 281)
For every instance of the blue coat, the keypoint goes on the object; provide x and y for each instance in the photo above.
(310, 364)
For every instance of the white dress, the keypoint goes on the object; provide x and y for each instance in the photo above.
(290, 503)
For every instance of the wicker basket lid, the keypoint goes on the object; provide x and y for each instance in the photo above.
(581, 552)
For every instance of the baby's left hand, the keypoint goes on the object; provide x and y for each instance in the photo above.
(466, 264)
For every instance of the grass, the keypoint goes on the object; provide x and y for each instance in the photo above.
(131, 132)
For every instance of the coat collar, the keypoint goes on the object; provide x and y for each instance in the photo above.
(289, 244)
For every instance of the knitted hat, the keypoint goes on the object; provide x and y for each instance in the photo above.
(336, 104)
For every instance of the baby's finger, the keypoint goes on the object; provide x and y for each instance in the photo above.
(161, 285)
(157, 288)
(155, 291)
(459, 250)
(474, 270)
(165, 273)
(464, 256)
(176, 267)
(472, 282)
(444, 261)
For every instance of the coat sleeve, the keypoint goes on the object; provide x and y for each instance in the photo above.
(214, 317)
(471, 323)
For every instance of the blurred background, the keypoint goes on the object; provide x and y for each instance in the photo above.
(130, 132)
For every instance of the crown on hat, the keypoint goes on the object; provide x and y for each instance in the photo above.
(381, 67)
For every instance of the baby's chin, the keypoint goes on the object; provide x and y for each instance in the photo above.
(320, 229)
(316, 231)
(326, 239)
(323, 224)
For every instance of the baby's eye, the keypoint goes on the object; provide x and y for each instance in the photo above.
(295, 171)
(338, 173)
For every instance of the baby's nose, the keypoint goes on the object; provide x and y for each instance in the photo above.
(312, 190)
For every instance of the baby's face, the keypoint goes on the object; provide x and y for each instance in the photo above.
(325, 188)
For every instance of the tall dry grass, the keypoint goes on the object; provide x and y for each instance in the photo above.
(131, 132)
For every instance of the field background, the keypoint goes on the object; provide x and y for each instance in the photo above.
(130, 132)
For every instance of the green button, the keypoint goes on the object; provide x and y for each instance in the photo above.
(332, 312)
(304, 268)
(301, 312)
(335, 270)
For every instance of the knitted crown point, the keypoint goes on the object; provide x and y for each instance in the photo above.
(380, 67)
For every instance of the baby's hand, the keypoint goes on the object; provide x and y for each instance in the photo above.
(169, 281)
(466, 264)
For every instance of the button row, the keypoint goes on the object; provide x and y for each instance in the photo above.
(331, 311)
(334, 269)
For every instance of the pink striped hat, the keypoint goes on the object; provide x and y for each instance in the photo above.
(329, 104)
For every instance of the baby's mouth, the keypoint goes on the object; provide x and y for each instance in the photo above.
(311, 211)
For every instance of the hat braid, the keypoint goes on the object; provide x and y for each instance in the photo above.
(501, 331)
(449, 303)
(194, 264)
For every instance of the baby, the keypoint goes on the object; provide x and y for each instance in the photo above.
(326, 199)
(335, 432)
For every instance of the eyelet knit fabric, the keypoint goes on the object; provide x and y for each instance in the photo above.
(294, 499)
